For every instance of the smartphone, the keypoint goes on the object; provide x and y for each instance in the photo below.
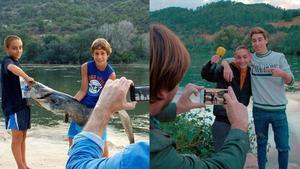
(139, 93)
(213, 96)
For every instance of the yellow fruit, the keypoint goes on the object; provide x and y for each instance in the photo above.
(220, 51)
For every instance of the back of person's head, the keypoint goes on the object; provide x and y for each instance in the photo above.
(258, 30)
(169, 60)
(8, 39)
(101, 43)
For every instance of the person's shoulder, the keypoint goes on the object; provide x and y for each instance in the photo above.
(277, 54)
(7, 59)
(110, 67)
(84, 64)
(137, 154)
(90, 62)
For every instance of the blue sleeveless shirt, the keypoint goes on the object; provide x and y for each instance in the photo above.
(97, 80)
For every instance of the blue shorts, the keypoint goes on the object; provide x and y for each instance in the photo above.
(74, 129)
(20, 120)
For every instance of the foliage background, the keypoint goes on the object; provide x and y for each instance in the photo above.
(61, 31)
(227, 23)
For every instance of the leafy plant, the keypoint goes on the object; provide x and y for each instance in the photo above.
(192, 132)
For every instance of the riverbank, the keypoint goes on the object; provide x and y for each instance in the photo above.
(47, 147)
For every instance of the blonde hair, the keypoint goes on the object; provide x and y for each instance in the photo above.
(8, 39)
(101, 43)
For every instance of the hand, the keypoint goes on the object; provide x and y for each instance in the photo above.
(276, 72)
(29, 80)
(227, 73)
(236, 112)
(113, 96)
(214, 59)
(184, 103)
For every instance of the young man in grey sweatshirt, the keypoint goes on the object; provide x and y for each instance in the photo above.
(269, 72)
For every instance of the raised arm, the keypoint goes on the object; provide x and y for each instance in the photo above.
(212, 70)
(227, 73)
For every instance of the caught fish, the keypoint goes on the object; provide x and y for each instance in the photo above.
(58, 102)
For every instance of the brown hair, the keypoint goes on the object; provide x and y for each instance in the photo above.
(241, 47)
(101, 43)
(258, 30)
(8, 39)
(169, 60)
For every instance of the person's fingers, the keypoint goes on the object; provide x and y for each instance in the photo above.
(129, 82)
(109, 81)
(123, 81)
(228, 99)
(228, 76)
(226, 107)
(199, 87)
(194, 91)
(232, 94)
(129, 105)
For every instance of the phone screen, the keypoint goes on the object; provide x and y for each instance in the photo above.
(139, 93)
(213, 96)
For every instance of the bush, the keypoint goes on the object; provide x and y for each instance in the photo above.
(192, 132)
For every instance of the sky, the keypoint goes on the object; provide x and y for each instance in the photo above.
(192, 4)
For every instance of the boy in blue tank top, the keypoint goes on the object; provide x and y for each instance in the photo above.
(94, 76)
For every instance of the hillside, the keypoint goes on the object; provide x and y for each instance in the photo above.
(212, 17)
(288, 24)
(227, 23)
(61, 31)
(69, 16)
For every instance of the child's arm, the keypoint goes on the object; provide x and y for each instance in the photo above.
(19, 72)
(113, 76)
(84, 83)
